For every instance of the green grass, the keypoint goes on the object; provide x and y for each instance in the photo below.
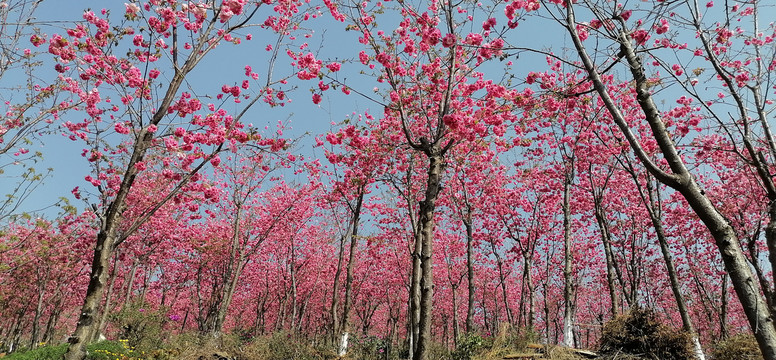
(103, 350)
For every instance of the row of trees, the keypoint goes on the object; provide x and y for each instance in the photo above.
(484, 190)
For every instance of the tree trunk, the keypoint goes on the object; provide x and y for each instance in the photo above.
(427, 207)
(146, 285)
(261, 303)
(36, 318)
(724, 310)
(653, 207)
(130, 281)
(456, 330)
(294, 300)
(231, 276)
(569, 297)
(531, 293)
(227, 298)
(414, 307)
(334, 310)
(611, 277)
(343, 344)
(676, 288)
(15, 334)
(102, 322)
(469, 271)
(754, 261)
(502, 283)
(86, 321)
(52, 320)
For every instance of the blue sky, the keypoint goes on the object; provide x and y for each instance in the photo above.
(227, 62)
(226, 66)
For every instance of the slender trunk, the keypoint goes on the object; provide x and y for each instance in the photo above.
(611, 278)
(258, 325)
(146, 285)
(103, 320)
(292, 270)
(415, 296)
(723, 329)
(53, 320)
(280, 320)
(469, 271)
(653, 208)
(232, 274)
(17, 330)
(485, 320)
(303, 313)
(130, 281)
(521, 304)
(411, 330)
(496, 314)
(36, 318)
(531, 296)
(676, 289)
(427, 207)
(343, 345)
(502, 282)
(227, 298)
(546, 308)
(754, 260)
(413, 289)
(456, 330)
(333, 311)
(569, 298)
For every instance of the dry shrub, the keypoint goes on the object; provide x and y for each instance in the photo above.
(192, 346)
(277, 346)
(281, 346)
(640, 333)
(509, 340)
(369, 348)
(555, 352)
(739, 347)
(438, 351)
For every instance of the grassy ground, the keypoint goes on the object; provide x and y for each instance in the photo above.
(103, 350)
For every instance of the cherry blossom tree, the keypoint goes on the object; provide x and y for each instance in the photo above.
(627, 41)
(356, 168)
(436, 99)
(129, 77)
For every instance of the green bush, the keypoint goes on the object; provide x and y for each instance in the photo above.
(109, 350)
(469, 345)
(369, 348)
(280, 346)
(43, 352)
(739, 347)
(140, 325)
(103, 350)
(639, 332)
